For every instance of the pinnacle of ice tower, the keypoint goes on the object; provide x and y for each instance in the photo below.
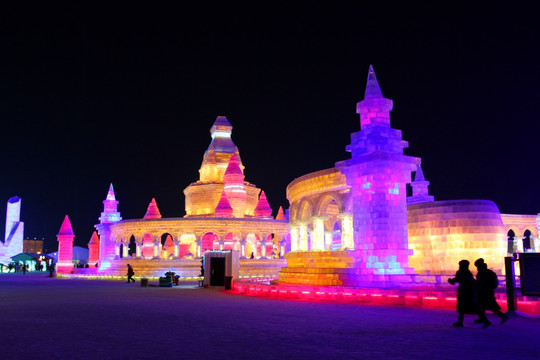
(65, 228)
(374, 110)
(420, 192)
(233, 174)
(152, 212)
(110, 212)
(110, 194)
(263, 209)
(223, 208)
(419, 176)
(373, 89)
(280, 214)
(233, 186)
(94, 239)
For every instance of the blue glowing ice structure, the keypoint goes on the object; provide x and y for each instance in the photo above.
(420, 193)
(13, 241)
(377, 175)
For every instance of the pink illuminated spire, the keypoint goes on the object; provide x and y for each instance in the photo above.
(234, 187)
(110, 194)
(223, 208)
(110, 213)
(93, 249)
(372, 87)
(280, 215)
(94, 239)
(263, 209)
(65, 229)
(65, 247)
(233, 169)
(152, 212)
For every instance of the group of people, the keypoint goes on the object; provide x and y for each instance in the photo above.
(476, 296)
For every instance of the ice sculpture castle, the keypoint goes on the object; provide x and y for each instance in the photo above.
(223, 212)
(354, 225)
(350, 225)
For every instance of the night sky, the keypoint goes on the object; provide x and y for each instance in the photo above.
(126, 94)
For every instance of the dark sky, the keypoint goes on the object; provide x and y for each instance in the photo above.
(127, 93)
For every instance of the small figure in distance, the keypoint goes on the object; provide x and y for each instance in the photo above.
(252, 255)
(130, 273)
(487, 283)
(466, 294)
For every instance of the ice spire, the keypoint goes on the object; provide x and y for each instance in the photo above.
(93, 249)
(372, 87)
(65, 247)
(280, 215)
(152, 212)
(374, 110)
(94, 239)
(223, 208)
(233, 180)
(419, 176)
(263, 209)
(420, 192)
(110, 213)
(110, 194)
(65, 228)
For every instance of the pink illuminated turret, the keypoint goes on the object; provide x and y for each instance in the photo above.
(420, 191)
(152, 212)
(93, 249)
(233, 180)
(110, 213)
(263, 209)
(65, 247)
(223, 208)
(280, 215)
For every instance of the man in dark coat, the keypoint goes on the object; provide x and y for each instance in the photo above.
(130, 273)
(467, 302)
(487, 283)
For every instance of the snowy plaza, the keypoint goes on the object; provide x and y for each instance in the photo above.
(54, 318)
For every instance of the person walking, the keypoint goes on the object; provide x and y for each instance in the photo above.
(487, 283)
(130, 273)
(467, 302)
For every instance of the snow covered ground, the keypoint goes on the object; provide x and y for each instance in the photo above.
(51, 318)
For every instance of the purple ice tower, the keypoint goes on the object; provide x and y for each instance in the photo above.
(377, 174)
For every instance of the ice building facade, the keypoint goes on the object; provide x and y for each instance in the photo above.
(223, 212)
(14, 234)
(355, 225)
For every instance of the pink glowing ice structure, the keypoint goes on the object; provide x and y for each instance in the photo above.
(65, 247)
(109, 215)
(377, 174)
(263, 209)
(234, 187)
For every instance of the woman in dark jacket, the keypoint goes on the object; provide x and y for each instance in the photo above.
(467, 301)
(487, 283)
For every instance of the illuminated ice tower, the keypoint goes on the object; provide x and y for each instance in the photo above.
(65, 247)
(13, 241)
(110, 215)
(377, 175)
